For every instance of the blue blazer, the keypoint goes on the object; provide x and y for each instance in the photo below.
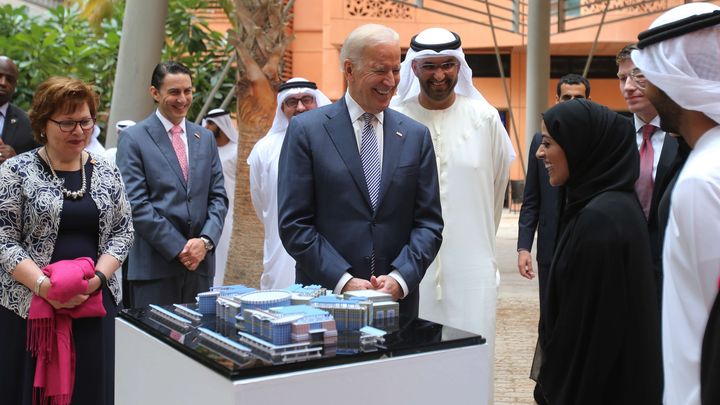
(167, 211)
(540, 208)
(326, 221)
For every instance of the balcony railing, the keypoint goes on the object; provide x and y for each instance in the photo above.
(45, 3)
(512, 15)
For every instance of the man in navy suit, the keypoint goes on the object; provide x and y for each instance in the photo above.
(358, 199)
(174, 182)
(15, 134)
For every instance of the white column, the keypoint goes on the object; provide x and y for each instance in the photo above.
(143, 35)
(538, 66)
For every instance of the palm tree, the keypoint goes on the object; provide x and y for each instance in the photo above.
(95, 11)
(260, 38)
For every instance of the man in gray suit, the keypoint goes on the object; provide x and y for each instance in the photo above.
(15, 134)
(174, 182)
(358, 199)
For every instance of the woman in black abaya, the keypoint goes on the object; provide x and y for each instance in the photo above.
(601, 334)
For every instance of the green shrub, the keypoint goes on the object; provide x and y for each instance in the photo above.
(63, 43)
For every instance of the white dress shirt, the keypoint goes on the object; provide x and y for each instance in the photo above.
(168, 126)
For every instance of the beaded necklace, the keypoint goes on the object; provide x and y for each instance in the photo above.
(72, 195)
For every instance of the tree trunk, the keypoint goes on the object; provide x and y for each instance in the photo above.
(256, 109)
(244, 264)
(260, 39)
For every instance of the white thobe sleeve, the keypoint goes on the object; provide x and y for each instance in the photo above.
(501, 166)
(257, 195)
(699, 202)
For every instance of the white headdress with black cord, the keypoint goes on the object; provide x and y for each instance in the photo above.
(121, 125)
(429, 43)
(221, 118)
(434, 42)
(296, 85)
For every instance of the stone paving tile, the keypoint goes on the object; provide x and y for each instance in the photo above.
(517, 317)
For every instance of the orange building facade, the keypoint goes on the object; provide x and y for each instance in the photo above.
(320, 26)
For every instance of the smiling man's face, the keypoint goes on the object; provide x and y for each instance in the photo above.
(372, 80)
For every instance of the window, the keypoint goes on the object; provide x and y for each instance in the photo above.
(602, 67)
(572, 8)
(485, 65)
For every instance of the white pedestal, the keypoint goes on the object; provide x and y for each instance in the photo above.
(148, 371)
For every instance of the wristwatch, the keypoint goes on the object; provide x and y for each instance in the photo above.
(208, 243)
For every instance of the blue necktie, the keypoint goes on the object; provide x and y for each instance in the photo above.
(370, 156)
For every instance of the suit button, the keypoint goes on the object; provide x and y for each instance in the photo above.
(189, 199)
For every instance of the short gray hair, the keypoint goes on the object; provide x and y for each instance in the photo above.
(366, 35)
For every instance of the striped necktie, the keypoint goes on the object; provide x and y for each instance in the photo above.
(370, 156)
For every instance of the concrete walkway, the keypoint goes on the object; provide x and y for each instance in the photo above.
(517, 318)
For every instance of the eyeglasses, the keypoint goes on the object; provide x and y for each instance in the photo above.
(639, 78)
(293, 102)
(432, 67)
(69, 125)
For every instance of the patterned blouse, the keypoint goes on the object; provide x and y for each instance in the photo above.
(31, 202)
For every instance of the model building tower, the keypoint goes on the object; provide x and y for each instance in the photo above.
(357, 309)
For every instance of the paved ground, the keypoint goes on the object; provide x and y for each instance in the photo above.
(517, 317)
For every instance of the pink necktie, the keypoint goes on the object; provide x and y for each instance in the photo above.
(179, 147)
(644, 183)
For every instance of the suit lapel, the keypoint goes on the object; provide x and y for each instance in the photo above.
(193, 140)
(393, 139)
(162, 140)
(10, 126)
(667, 157)
(340, 129)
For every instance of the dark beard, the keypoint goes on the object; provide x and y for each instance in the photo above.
(439, 95)
(669, 112)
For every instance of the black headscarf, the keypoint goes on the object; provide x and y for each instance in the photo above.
(600, 149)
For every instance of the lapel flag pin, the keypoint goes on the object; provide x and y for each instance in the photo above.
(13, 120)
(398, 134)
(196, 135)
